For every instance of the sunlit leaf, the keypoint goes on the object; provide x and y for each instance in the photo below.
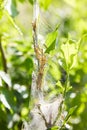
(24, 111)
(51, 41)
(21, 1)
(81, 108)
(4, 101)
(71, 111)
(13, 23)
(1, 13)
(68, 53)
(54, 128)
(54, 70)
(45, 3)
(6, 78)
(11, 7)
(59, 85)
(0, 81)
(51, 47)
(1, 8)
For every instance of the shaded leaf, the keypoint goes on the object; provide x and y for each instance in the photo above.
(31, 1)
(9, 98)
(3, 114)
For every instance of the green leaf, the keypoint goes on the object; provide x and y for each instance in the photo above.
(31, 1)
(13, 23)
(54, 128)
(7, 98)
(28, 64)
(1, 4)
(1, 13)
(21, 1)
(45, 3)
(68, 54)
(54, 70)
(0, 81)
(71, 110)
(6, 78)
(11, 8)
(1, 8)
(51, 41)
(51, 47)
(2, 113)
(58, 84)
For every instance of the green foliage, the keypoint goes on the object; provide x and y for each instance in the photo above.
(51, 41)
(31, 1)
(45, 3)
(68, 54)
(66, 67)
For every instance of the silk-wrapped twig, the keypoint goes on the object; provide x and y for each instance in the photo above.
(38, 51)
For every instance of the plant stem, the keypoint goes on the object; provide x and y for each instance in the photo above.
(42, 115)
(66, 84)
(4, 62)
(59, 113)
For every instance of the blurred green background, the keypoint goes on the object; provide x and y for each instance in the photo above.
(16, 41)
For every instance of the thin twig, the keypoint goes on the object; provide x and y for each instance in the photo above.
(42, 115)
(66, 85)
(59, 113)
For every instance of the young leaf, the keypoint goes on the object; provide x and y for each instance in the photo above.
(68, 53)
(54, 71)
(68, 115)
(51, 41)
(54, 128)
(45, 3)
(13, 23)
(51, 47)
(60, 86)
